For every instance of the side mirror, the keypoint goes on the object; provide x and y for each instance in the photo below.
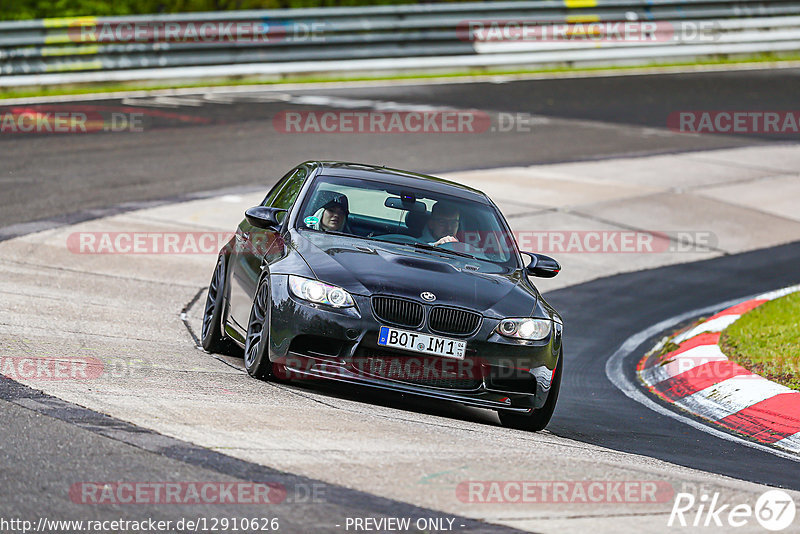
(263, 217)
(542, 266)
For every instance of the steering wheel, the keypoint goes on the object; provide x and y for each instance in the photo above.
(400, 238)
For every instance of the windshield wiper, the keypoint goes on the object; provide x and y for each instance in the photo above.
(425, 246)
(334, 232)
(365, 238)
(421, 246)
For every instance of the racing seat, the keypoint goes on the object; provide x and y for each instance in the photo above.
(415, 221)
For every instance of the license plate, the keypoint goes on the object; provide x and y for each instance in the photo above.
(424, 343)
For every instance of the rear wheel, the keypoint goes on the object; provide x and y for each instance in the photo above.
(537, 419)
(211, 335)
(256, 346)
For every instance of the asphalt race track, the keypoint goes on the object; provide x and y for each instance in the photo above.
(587, 118)
(609, 310)
(211, 144)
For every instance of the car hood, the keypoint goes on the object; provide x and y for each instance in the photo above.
(370, 267)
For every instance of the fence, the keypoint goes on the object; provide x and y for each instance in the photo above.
(400, 37)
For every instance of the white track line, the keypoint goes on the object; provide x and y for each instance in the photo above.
(615, 372)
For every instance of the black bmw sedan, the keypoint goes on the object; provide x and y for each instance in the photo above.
(391, 280)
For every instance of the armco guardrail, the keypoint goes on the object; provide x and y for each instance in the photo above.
(399, 37)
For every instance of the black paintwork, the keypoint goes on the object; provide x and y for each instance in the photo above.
(263, 248)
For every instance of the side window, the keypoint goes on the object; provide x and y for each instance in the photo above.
(276, 189)
(289, 192)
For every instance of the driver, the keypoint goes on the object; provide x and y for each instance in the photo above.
(332, 216)
(442, 225)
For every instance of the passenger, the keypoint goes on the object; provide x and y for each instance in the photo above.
(442, 225)
(332, 216)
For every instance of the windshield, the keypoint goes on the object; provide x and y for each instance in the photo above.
(470, 232)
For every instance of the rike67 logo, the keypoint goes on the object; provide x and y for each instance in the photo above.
(774, 510)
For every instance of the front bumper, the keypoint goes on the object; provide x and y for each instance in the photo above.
(314, 341)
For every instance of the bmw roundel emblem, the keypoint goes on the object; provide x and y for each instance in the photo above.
(427, 295)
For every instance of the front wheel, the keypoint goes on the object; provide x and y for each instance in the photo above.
(537, 419)
(256, 346)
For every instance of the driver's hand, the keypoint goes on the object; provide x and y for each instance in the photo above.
(446, 239)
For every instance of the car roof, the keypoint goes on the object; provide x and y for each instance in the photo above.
(399, 177)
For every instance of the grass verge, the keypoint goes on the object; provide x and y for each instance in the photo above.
(766, 340)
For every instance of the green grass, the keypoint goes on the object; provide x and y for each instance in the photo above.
(79, 89)
(766, 340)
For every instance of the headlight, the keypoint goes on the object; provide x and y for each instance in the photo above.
(319, 292)
(525, 328)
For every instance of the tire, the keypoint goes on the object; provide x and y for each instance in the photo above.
(537, 419)
(211, 334)
(256, 345)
